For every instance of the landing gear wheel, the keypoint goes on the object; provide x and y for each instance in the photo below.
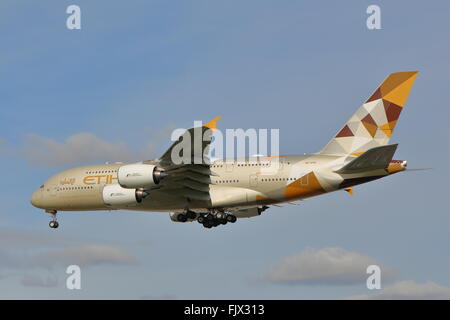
(191, 215)
(220, 215)
(231, 218)
(53, 224)
(207, 224)
(216, 222)
(223, 221)
(181, 217)
(201, 219)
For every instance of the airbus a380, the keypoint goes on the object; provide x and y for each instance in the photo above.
(219, 192)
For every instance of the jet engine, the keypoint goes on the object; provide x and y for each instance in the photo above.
(116, 196)
(139, 175)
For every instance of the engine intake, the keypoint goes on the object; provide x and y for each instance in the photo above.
(139, 175)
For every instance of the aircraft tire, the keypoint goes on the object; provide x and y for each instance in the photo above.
(53, 224)
(191, 214)
(207, 224)
(182, 217)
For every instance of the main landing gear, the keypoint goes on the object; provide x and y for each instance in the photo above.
(210, 220)
(185, 216)
(53, 224)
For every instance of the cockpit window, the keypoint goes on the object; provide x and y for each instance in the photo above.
(41, 187)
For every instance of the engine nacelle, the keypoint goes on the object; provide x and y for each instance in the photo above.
(138, 175)
(117, 197)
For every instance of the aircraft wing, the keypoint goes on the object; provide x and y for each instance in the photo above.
(188, 181)
(198, 139)
(186, 165)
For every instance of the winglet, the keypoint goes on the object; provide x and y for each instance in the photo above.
(213, 123)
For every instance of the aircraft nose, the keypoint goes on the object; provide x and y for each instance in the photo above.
(36, 199)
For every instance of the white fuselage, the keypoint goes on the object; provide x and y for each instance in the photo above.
(234, 184)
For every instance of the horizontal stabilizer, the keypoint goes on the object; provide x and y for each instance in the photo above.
(373, 159)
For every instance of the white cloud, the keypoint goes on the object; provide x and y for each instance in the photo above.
(85, 147)
(81, 147)
(88, 255)
(37, 281)
(326, 266)
(409, 290)
(34, 257)
(25, 249)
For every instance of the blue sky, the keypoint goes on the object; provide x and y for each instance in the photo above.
(136, 70)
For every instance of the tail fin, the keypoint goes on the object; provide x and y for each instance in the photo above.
(373, 123)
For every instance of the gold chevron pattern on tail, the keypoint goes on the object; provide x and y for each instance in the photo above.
(373, 123)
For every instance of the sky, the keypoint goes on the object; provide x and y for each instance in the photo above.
(114, 91)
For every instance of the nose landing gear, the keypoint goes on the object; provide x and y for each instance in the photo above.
(53, 224)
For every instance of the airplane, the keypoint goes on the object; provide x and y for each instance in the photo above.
(218, 192)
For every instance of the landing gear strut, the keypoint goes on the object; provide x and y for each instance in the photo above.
(53, 224)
